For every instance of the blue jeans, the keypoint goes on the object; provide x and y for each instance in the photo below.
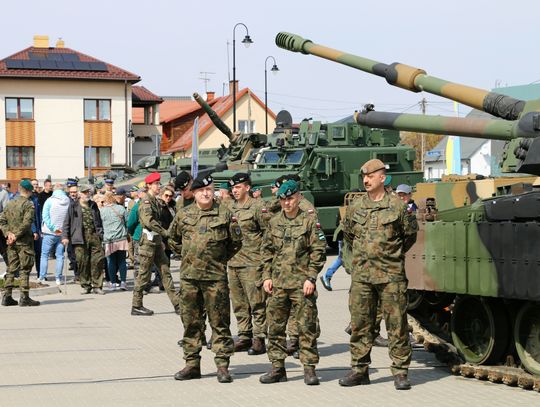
(50, 243)
(336, 264)
(117, 262)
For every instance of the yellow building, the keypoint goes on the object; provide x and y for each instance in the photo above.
(58, 108)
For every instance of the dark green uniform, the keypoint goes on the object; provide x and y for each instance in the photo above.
(207, 240)
(292, 252)
(17, 218)
(379, 234)
(245, 278)
(152, 251)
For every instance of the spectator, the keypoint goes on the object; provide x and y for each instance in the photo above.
(73, 192)
(4, 197)
(11, 195)
(404, 192)
(133, 224)
(45, 194)
(55, 211)
(114, 217)
(36, 226)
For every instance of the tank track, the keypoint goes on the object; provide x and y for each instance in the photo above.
(428, 334)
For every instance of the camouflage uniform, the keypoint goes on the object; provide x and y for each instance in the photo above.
(90, 256)
(152, 251)
(208, 239)
(183, 203)
(292, 252)
(245, 280)
(17, 218)
(379, 234)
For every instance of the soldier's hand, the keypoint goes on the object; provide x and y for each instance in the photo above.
(11, 238)
(309, 288)
(267, 285)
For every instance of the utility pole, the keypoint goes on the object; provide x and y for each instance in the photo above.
(423, 104)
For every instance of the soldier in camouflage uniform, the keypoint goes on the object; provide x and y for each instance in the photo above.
(208, 238)
(152, 249)
(16, 224)
(245, 279)
(182, 183)
(380, 230)
(84, 230)
(293, 253)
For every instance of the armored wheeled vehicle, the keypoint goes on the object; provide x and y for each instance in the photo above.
(481, 259)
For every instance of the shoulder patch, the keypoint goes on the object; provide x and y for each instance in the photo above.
(264, 210)
(310, 211)
(237, 230)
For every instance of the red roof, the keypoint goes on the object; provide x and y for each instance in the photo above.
(169, 110)
(139, 94)
(112, 72)
(220, 105)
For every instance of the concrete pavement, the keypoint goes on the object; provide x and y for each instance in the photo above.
(77, 350)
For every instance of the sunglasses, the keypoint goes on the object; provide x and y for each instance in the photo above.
(167, 195)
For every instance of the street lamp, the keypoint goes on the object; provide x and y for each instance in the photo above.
(247, 41)
(274, 70)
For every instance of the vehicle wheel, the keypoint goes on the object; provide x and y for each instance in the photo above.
(527, 336)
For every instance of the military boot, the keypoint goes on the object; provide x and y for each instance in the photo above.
(141, 311)
(292, 346)
(188, 373)
(8, 301)
(354, 379)
(275, 375)
(223, 375)
(242, 345)
(258, 347)
(348, 330)
(380, 342)
(310, 376)
(26, 301)
(401, 382)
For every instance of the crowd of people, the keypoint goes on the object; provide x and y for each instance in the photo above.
(263, 256)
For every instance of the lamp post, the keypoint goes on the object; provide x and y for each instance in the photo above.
(247, 41)
(274, 70)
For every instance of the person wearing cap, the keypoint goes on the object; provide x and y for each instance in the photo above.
(404, 192)
(73, 194)
(245, 279)
(224, 196)
(83, 228)
(207, 236)
(135, 228)
(151, 249)
(16, 225)
(379, 230)
(182, 183)
(256, 192)
(293, 253)
(109, 185)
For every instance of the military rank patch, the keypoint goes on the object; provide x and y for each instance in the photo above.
(237, 231)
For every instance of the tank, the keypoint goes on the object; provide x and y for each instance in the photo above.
(476, 264)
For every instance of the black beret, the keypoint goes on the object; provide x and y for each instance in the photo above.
(201, 181)
(277, 183)
(238, 178)
(182, 180)
(293, 177)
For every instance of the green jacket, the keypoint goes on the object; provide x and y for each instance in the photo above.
(379, 233)
(206, 240)
(293, 250)
(133, 224)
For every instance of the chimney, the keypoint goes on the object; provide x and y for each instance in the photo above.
(210, 96)
(60, 43)
(231, 84)
(41, 41)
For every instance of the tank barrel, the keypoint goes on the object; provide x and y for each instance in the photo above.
(411, 78)
(470, 127)
(213, 116)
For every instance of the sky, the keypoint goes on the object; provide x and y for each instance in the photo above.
(169, 43)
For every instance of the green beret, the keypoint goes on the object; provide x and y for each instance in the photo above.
(26, 184)
(225, 185)
(287, 189)
(388, 180)
(255, 189)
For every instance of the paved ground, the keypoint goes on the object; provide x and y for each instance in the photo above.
(88, 351)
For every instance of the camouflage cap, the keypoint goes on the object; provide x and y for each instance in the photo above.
(287, 189)
(84, 188)
(238, 178)
(372, 166)
(26, 184)
(201, 181)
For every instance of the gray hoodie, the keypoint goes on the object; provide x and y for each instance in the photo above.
(54, 212)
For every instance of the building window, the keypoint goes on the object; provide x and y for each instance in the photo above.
(20, 157)
(19, 108)
(97, 109)
(101, 156)
(246, 126)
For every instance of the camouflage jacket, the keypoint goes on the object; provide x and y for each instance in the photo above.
(183, 203)
(17, 218)
(293, 250)
(150, 215)
(206, 240)
(379, 233)
(252, 218)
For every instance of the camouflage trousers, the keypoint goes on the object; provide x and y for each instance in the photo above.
(196, 296)
(90, 262)
(249, 301)
(152, 252)
(21, 260)
(292, 327)
(363, 303)
(281, 303)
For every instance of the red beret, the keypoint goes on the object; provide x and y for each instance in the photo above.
(155, 176)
